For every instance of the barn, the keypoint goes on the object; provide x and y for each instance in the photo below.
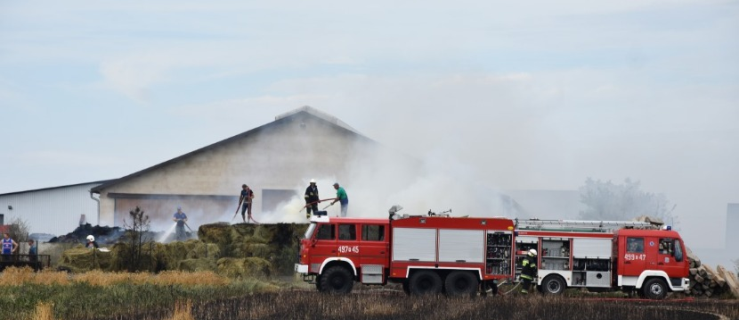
(53, 210)
(277, 160)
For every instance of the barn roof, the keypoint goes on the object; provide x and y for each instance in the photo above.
(279, 120)
(57, 187)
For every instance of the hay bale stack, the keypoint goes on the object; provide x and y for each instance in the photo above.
(195, 265)
(81, 259)
(732, 284)
(707, 282)
(695, 262)
(244, 268)
(275, 243)
(250, 246)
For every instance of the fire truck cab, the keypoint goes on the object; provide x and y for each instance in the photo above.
(337, 251)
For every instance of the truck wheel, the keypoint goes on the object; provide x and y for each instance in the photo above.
(406, 288)
(336, 280)
(655, 289)
(318, 283)
(461, 283)
(553, 285)
(425, 282)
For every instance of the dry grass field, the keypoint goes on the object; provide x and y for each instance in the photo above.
(25, 295)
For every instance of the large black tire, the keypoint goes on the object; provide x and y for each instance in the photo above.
(461, 283)
(553, 285)
(336, 280)
(318, 283)
(655, 289)
(425, 282)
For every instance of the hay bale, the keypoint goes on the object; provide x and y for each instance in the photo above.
(122, 257)
(657, 222)
(731, 281)
(244, 268)
(695, 262)
(245, 250)
(81, 259)
(221, 234)
(205, 251)
(195, 265)
(715, 277)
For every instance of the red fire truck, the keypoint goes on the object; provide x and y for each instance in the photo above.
(432, 255)
(605, 255)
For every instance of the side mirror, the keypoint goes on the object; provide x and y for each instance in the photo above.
(313, 242)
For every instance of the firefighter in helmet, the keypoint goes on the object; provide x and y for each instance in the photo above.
(528, 272)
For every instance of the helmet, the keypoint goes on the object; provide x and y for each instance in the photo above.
(312, 180)
(90, 238)
(532, 252)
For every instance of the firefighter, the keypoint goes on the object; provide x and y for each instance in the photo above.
(311, 198)
(180, 218)
(91, 243)
(528, 272)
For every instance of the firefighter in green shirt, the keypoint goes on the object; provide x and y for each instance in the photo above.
(528, 272)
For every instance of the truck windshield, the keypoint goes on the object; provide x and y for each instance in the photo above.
(309, 232)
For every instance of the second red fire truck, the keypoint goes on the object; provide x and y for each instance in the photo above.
(460, 255)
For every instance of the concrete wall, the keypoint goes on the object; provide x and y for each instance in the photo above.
(54, 211)
(283, 155)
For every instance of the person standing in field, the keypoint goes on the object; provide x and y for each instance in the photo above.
(245, 202)
(342, 198)
(8, 246)
(528, 272)
(180, 218)
(32, 251)
(311, 199)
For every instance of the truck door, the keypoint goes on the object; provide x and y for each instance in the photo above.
(651, 250)
(633, 256)
(670, 257)
(374, 249)
(324, 245)
(373, 253)
(347, 245)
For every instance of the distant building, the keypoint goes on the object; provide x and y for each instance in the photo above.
(54, 210)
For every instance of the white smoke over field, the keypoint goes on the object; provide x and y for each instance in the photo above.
(375, 183)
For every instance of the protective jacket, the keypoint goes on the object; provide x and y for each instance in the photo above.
(311, 194)
(528, 270)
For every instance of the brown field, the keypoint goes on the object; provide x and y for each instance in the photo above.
(393, 305)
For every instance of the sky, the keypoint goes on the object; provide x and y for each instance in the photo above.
(525, 95)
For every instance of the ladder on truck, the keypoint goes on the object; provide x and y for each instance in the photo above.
(581, 225)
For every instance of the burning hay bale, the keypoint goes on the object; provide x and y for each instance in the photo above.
(81, 259)
(244, 268)
(103, 234)
(250, 251)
